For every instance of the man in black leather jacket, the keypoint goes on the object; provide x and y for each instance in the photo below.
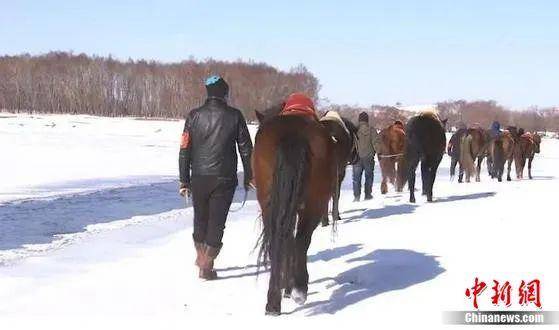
(208, 151)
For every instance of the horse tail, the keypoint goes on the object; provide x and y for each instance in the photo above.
(286, 198)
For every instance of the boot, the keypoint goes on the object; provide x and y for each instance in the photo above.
(199, 253)
(209, 254)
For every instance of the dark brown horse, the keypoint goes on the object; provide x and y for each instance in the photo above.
(501, 150)
(344, 135)
(528, 144)
(425, 142)
(295, 175)
(390, 145)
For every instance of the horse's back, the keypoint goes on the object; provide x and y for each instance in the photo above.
(425, 134)
(306, 130)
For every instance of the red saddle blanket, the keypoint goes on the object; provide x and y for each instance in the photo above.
(299, 105)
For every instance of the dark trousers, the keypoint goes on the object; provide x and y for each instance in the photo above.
(366, 165)
(211, 198)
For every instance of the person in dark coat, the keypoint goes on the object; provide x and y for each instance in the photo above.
(366, 165)
(208, 168)
(495, 130)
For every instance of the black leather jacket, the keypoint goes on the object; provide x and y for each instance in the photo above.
(211, 134)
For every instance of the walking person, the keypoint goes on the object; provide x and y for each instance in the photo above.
(366, 165)
(208, 168)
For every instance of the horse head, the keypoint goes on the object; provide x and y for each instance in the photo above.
(537, 140)
(269, 112)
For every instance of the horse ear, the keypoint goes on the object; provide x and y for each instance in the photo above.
(259, 116)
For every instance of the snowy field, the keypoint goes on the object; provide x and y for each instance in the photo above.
(92, 228)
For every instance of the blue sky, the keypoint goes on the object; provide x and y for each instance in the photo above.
(363, 52)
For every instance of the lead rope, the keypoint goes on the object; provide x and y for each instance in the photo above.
(388, 156)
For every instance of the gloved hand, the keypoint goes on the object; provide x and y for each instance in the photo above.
(184, 190)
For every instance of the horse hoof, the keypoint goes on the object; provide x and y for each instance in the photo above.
(272, 313)
(299, 297)
(509, 179)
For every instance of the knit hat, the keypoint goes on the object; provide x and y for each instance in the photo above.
(216, 87)
(363, 116)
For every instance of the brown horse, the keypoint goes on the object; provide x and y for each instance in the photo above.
(390, 145)
(295, 175)
(480, 143)
(527, 146)
(467, 157)
(501, 150)
(478, 146)
(344, 135)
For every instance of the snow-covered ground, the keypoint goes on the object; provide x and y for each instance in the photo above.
(92, 227)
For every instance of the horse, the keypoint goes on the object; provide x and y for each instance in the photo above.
(344, 135)
(390, 145)
(527, 146)
(294, 175)
(478, 150)
(425, 142)
(480, 143)
(453, 150)
(467, 157)
(501, 150)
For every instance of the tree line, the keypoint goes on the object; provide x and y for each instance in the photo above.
(482, 113)
(61, 82)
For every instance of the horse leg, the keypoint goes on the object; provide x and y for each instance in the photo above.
(273, 305)
(384, 171)
(424, 177)
(300, 274)
(412, 166)
(453, 162)
(478, 168)
(490, 169)
(336, 202)
(530, 167)
(432, 175)
(392, 164)
(509, 164)
(400, 180)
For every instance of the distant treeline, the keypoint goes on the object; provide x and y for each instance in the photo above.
(481, 113)
(61, 82)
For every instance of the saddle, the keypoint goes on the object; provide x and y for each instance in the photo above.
(334, 116)
(528, 136)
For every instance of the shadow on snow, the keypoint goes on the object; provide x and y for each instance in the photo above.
(377, 272)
